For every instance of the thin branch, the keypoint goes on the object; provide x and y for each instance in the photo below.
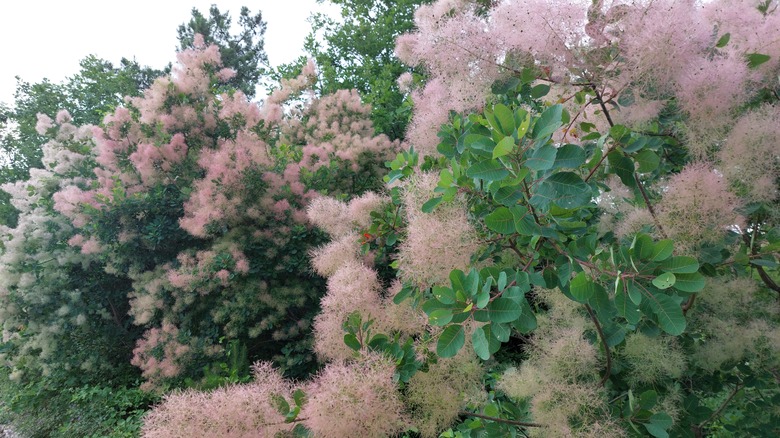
(596, 167)
(500, 420)
(595, 320)
(603, 106)
(688, 304)
(649, 205)
(715, 414)
(767, 279)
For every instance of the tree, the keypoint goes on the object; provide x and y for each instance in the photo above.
(244, 52)
(584, 237)
(357, 52)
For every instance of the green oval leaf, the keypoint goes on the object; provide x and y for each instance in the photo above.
(664, 281)
(690, 282)
(431, 204)
(565, 189)
(508, 195)
(501, 221)
(583, 288)
(480, 343)
(723, 40)
(488, 170)
(352, 341)
(540, 91)
(444, 294)
(662, 250)
(756, 59)
(548, 122)
(504, 147)
(670, 316)
(542, 158)
(450, 341)
(440, 317)
(503, 310)
(680, 265)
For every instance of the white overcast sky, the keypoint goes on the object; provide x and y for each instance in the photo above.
(46, 39)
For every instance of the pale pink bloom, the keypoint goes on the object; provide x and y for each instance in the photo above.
(357, 399)
(697, 207)
(63, 116)
(44, 124)
(91, 246)
(237, 411)
(405, 82)
(750, 158)
(226, 74)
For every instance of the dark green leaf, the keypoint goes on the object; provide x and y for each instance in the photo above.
(299, 397)
(440, 317)
(642, 247)
(767, 263)
(626, 308)
(280, 404)
(501, 221)
(542, 158)
(352, 342)
(431, 204)
(508, 195)
(480, 342)
(450, 341)
(501, 119)
(503, 310)
(569, 156)
(540, 91)
(623, 167)
(566, 189)
(548, 122)
(634, 292)
(659, 424)
(527, 321)
(444, 294)
(500, 331)
(488, 170)
(680, 265)
(756, 59)
(504, 147)
(664, 281)
(670, 316)
(662, 250)
(583, 288)
(457, 279)
(723, 40)
(402, 295)
(648, 161)
(523, 221)
(690, 282)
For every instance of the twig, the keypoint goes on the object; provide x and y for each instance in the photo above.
(688, 304)
(603, 106)
(767, 279)
(595, 320)
(715, 414)
(649, 205)
(500, 420)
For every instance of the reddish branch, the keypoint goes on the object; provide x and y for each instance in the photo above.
(500, 420)
(603, 338)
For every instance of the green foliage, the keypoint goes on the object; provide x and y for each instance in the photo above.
(356, 51)
(49, 408)
(244, 52)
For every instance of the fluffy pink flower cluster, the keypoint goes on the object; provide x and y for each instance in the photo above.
(356, 399)
(665, 49)
(160, 354)
(696, 205)
(239, 411)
